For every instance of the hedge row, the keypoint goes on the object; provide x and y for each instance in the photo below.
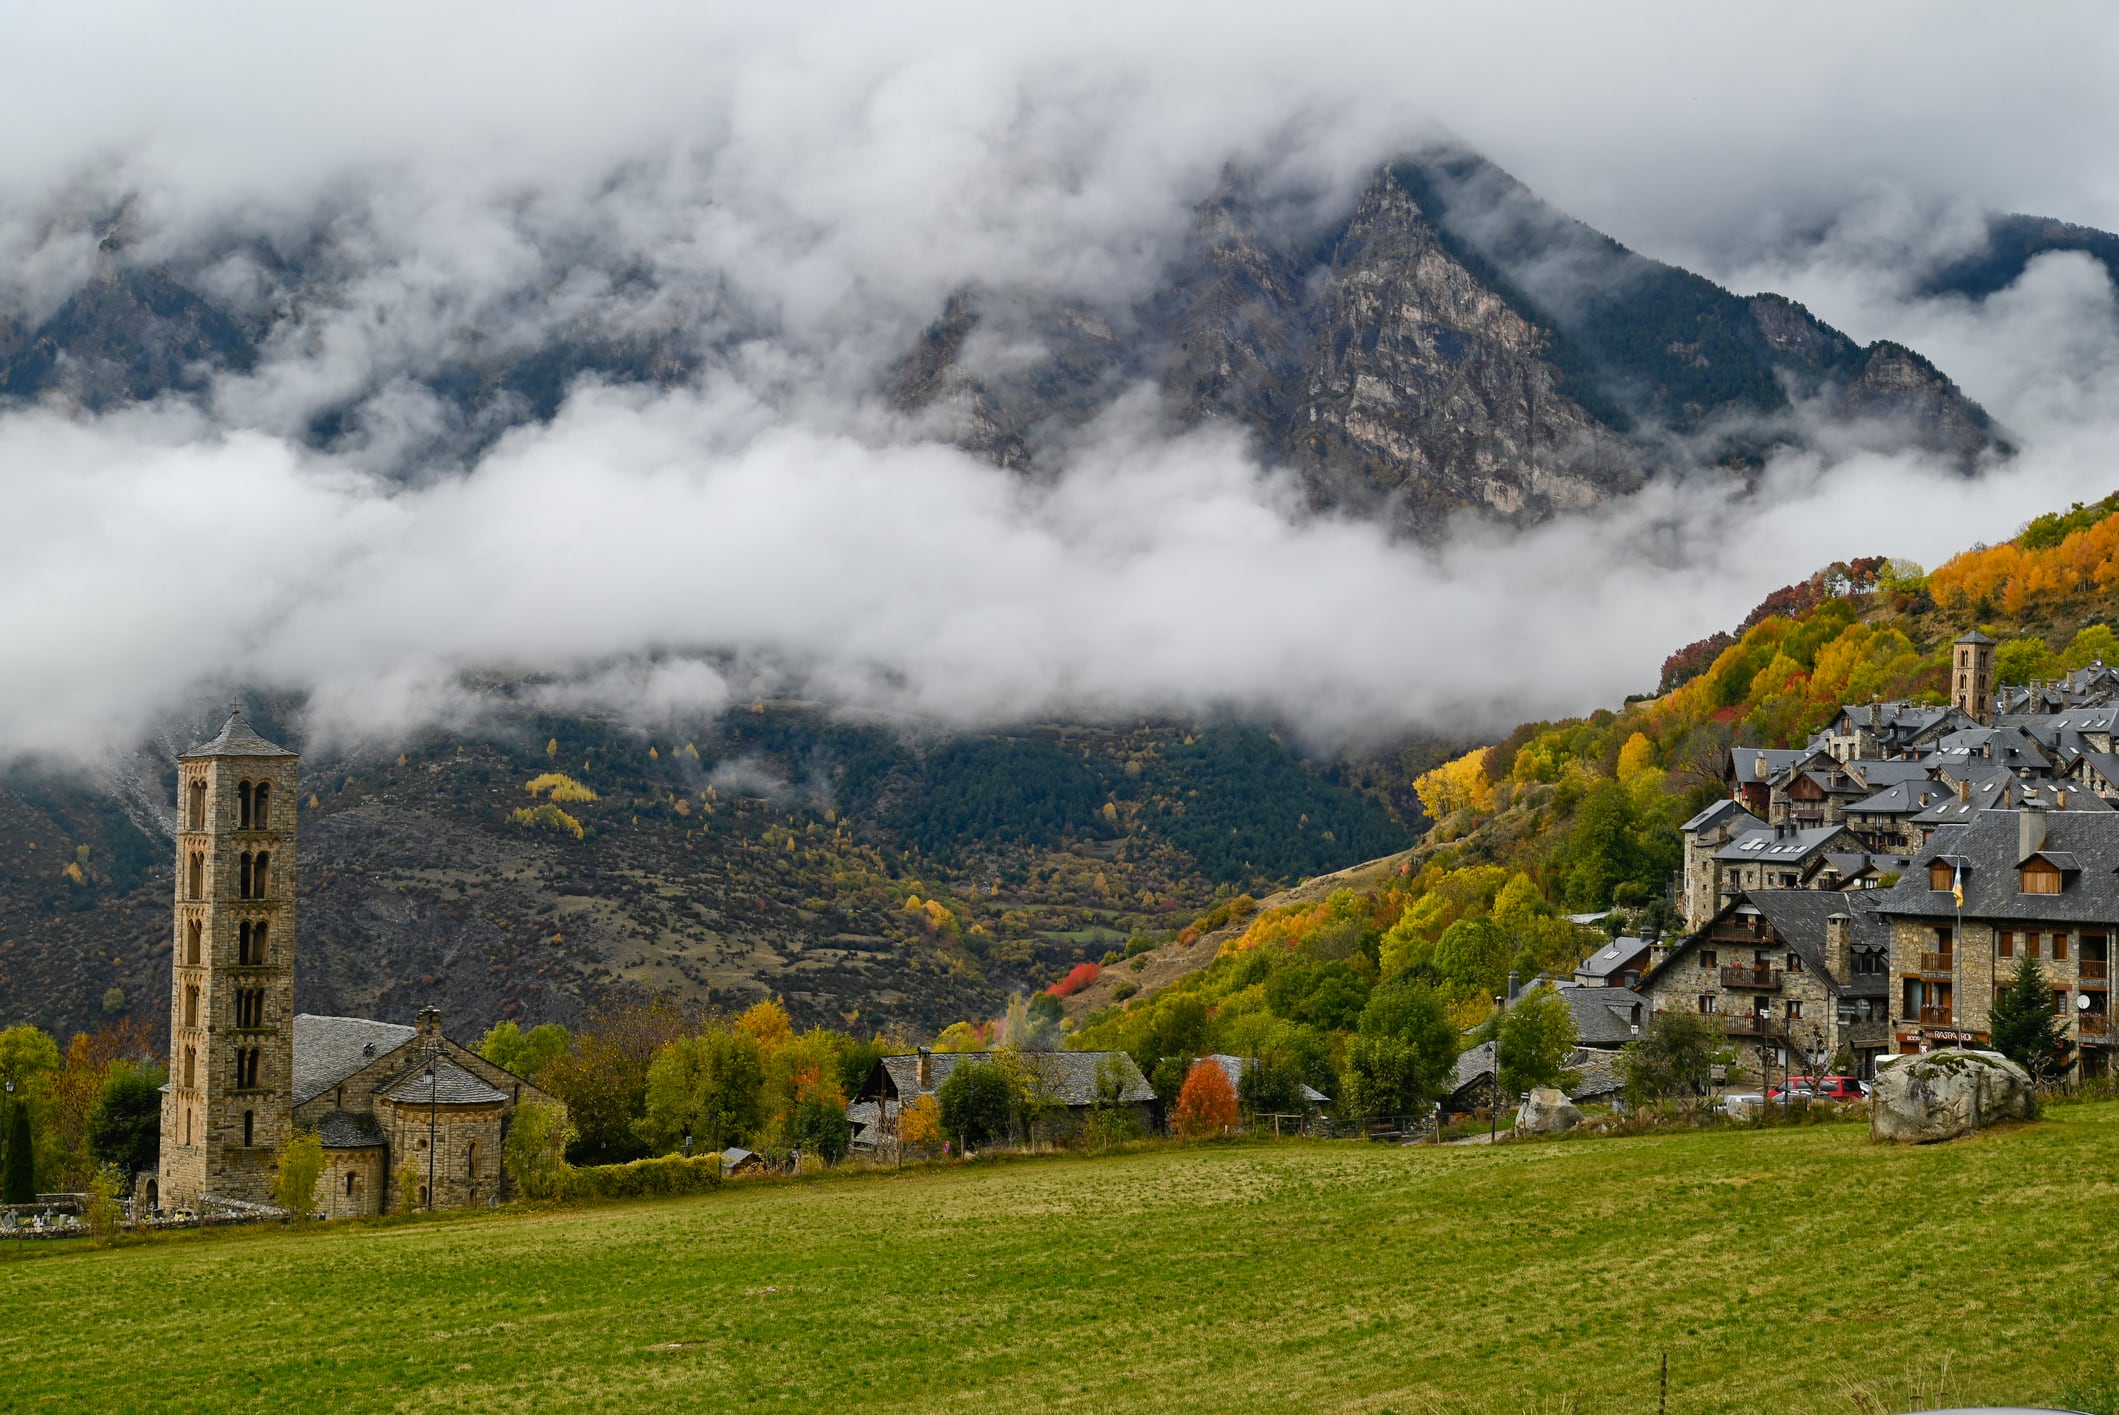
(671, 1174)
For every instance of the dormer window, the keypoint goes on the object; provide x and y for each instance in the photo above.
(2038, 875)
(1941, 874)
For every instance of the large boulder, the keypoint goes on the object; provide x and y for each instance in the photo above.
(1547, 1112)
(1941, 1095)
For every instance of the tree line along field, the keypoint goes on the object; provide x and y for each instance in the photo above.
(1797, 1269)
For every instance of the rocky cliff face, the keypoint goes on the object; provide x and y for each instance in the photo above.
(1450, 343)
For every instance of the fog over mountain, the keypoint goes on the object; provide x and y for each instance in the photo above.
(355, 353)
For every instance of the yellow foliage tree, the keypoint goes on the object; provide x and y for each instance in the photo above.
(1456, 785)
(1636, 756)
(920, 1124)
(562, 787)
(768, 1025)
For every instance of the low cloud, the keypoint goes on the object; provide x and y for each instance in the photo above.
(776, 205)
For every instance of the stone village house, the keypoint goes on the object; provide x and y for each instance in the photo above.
(245, 1069)
(1789, 971)
(2036, 883)
(1068, 1077)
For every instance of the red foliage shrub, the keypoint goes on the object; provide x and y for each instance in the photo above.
(1079, 977)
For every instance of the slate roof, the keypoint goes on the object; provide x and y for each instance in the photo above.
(1762, 764)
(1720, 812)
(329, 1049)
(1603, 1015)
(1473, 1064)
(2002, 792)
(1907, 798)
(2104, 764)
(1782, 847)
(1232, 1067)
(452, 1085)
(1877, 775)
(1615, 957)
(1987, 844)
(236, 739)
(1598, 1075)
(349, 1130)
(1072, 1074)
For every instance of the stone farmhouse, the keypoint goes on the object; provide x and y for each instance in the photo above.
(1791, 973)
(1984, 894)
(1072, 1080)
(245, 1070)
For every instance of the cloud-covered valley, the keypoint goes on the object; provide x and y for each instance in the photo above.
(779, 205)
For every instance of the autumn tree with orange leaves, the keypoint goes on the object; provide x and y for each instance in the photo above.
(1206, 1104)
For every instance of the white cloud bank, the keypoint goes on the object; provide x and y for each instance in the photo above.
(804, 188)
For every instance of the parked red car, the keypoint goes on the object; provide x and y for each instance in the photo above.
(1823, 1088)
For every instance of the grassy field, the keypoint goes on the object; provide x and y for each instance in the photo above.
(1780, 1270)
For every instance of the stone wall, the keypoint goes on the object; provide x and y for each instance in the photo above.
(466, 1156)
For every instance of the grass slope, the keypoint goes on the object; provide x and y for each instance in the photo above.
(1792, 1270)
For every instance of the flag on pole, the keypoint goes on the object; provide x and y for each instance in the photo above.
(1957, 882)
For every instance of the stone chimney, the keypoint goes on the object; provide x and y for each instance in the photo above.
(1964, 789)
(1839, 947)
(1515, 985)
(2030, 831)
(2060, 798)
(430, 1027)
(925, 1074)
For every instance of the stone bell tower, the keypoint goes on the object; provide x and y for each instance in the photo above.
(229, 1103)
(1972, 677)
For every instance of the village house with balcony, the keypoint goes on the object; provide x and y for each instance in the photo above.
(1789, 972)
(2035, 883)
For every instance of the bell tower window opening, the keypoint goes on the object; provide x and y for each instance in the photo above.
(197, 873)
(187, 1126)
(261, 806)
(195, 814)
(250, 1119)
(191, 1005)
(261, 872)
(242, 876)
(242, 806)
(191, 1079)
(191, 942)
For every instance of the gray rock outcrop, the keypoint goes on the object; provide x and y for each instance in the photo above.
(1547, 1112)
(1944, 1094)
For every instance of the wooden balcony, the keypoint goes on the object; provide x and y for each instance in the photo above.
(2091, 970)
(1943, 963)
(2093, 1024)
(1747, 1024)
(1729, 931)
(1934, 1017)
(1750, 978)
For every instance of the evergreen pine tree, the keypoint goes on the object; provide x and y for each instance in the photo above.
(2023, 1025)
(18, 1167)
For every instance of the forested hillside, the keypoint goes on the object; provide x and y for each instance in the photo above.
(531, 867)
(1582, 815)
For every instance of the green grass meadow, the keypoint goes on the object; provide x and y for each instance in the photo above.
(1799, 1269)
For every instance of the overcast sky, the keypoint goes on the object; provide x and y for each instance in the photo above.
(816, 179)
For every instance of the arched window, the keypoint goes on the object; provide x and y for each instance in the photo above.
(422, 1195)
(249, 1128)
(191, 1005)
(258, 956)
(197, 812)
(198, 875)
(191, 942)
(471, 1159)
(242, 806)
(191, 1078)
(261, 872)
(261, 807)
(187, 1126)
(242, 876)
(351, 1180)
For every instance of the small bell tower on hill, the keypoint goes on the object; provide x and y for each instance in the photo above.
(1972, 677)
(229, 1103)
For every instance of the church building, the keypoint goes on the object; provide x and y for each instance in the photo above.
(405, 1114)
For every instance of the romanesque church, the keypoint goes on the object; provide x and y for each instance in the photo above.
(399, 1108)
